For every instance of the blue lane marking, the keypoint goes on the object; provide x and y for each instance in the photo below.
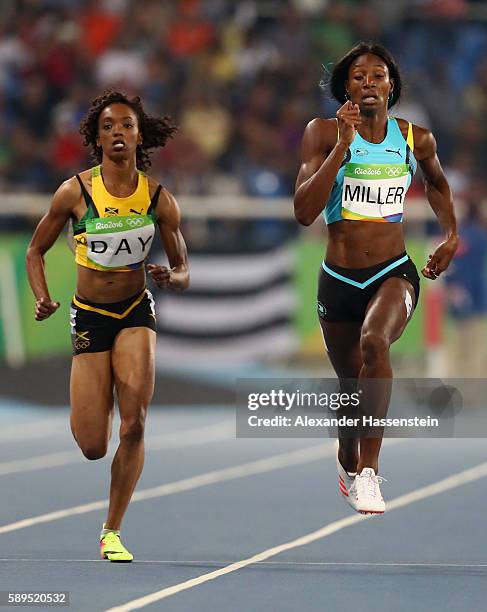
(370, 280)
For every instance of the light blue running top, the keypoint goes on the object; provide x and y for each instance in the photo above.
(373, 179)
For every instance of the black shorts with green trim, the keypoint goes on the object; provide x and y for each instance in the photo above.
(94, 326)
(345, 293)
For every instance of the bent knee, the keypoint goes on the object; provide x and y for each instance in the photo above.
(133, 429)
(373, 345)
(93, 452)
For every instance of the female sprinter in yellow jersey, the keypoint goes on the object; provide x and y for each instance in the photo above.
(356, 170)
(115, 209)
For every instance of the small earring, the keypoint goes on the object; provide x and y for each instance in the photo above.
(347, 97)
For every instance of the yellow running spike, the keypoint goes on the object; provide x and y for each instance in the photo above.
(111, 548)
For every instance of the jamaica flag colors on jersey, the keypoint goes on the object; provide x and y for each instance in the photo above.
(110, 236)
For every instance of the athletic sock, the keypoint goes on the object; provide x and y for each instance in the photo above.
(104, 531)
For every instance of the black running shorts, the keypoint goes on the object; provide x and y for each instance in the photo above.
(94, 326)
(344, 293)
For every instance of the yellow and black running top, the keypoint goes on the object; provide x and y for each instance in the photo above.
(115, 234)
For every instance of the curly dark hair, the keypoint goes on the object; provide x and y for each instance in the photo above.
(339, 75)
(154, 130)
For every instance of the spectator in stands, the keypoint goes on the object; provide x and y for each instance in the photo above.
(189, 33)
(56, 52)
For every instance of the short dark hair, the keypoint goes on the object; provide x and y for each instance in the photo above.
(340, 72)
(155, 130)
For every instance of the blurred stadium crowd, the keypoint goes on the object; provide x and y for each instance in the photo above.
(239, 78)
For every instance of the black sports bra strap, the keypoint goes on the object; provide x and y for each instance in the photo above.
(84, 191)
(154, 199)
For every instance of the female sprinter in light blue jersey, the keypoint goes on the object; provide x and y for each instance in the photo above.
(356, 170)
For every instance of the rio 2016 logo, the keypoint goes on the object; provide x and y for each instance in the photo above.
(368, 171)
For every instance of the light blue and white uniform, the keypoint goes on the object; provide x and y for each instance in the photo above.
(371, 185)
(373, 179)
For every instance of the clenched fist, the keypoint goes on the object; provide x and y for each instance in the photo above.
(439, 261)
(348, 118)
(168, 278)
(44, 308)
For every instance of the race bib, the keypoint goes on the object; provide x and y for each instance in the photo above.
(119, 241)
(374, 192)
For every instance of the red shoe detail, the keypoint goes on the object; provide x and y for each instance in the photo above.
(343, 489)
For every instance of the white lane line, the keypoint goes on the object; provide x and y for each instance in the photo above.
(44, 428)
(269, 564)
(178, 439)
(275, 462)
(369, 563)
(224, 430)
(40, 462)
(451, 482)
(32, 431)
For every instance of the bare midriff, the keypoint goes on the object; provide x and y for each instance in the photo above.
(360, 244)
(108, 287)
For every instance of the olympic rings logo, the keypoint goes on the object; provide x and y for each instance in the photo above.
(135, 222)
(81, 345)
(391, 171)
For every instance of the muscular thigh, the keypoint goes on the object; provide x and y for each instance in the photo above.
(133, 368)
(390, 309)
(91, 390)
